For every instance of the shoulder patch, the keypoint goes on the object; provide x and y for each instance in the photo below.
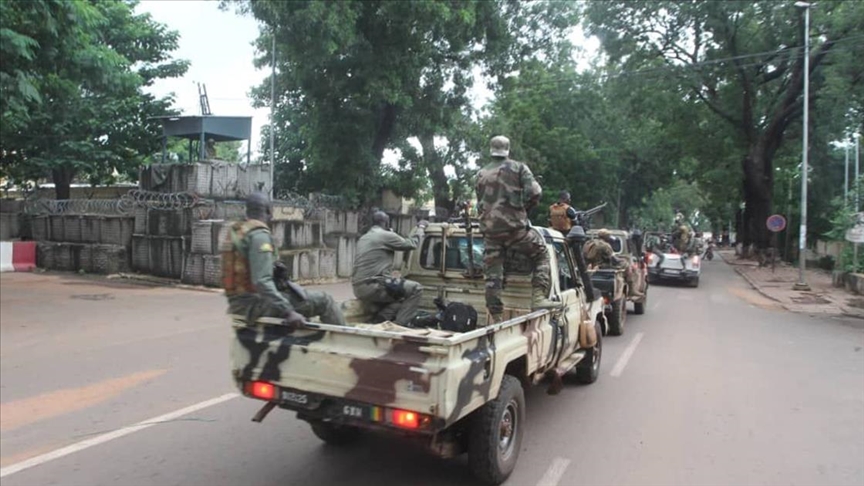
(266, 248)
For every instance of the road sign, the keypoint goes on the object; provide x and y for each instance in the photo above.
(856, 233)
(776, 223)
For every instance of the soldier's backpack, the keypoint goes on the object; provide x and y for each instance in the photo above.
(558, 217)
(459, 317)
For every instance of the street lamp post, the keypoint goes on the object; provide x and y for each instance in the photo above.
(857, 137)
(272, 114)
(846, 175)
(802, 243)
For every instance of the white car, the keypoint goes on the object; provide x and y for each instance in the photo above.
(666, 263)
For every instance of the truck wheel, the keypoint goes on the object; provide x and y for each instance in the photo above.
(639, 307)
(694, 282)
(333, 434)
(618, 316)
(496, 434)
(588, 370)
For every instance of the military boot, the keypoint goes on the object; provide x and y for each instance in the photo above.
(539, 300)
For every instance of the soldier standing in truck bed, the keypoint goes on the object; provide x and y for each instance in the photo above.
(506, 191)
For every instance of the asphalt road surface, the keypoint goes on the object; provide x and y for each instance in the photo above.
(108, 383)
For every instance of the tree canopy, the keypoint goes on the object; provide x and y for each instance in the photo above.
(72, 82)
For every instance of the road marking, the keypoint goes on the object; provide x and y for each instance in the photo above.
(626, 355)
(554, 473)
(26, 411)
(101, 439)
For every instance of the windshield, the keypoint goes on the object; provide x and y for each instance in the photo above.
(457, 257)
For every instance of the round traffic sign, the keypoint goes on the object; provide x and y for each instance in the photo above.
(776, 223)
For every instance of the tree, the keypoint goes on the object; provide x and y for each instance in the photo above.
(358, 77)
(74, 88)
(742, 60)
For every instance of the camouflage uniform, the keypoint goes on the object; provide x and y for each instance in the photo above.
(247, 277)
(505, 188)
(681, 238)
(599, 252)
(373, 267)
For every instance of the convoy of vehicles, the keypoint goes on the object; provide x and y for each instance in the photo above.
(449, 392)
(613, 285)
(665, 263)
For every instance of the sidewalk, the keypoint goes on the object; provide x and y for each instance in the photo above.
(823, 298)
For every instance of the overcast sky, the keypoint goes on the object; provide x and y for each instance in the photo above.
(219, 46)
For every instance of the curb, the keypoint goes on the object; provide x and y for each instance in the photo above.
(758, 288)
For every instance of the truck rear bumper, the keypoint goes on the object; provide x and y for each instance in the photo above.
(672, 274)
(316, 407)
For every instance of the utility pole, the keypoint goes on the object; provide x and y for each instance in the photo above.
(272, 112)
(802, 243)
(846, 174)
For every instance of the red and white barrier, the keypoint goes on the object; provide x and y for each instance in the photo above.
(17, 256)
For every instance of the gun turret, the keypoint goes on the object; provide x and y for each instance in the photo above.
(583, 218)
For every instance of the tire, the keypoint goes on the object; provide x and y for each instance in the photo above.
(694, 282)
(336, 435)
(588, 370)
(492, 457)
(639, 307)
(618, 316)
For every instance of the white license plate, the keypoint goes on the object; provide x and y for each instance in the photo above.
(294, 397)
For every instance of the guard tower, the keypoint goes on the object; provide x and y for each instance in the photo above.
(201, 129)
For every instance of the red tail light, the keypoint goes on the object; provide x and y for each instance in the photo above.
(406, 419)
(261, 389)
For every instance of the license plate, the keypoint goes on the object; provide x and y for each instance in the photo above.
(671, 272)
(295, 397)
(355, 411)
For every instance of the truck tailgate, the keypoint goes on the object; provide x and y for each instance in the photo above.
(355, 364)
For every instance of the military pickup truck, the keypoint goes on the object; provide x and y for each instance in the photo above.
(612, 284)
(449, 392)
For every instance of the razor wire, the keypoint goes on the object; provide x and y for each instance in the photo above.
(74, 207)
(166, 201)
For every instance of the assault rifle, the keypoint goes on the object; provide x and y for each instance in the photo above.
(583, 218)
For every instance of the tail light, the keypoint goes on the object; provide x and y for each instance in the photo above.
(261, 390)
(406, 419)
(696, 260)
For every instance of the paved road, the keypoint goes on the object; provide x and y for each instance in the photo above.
(712, 386)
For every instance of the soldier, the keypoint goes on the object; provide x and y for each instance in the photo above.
(681, 234)
(247, 275)
(506, 191)
(395, 298)
(562, 216)
(598, 251)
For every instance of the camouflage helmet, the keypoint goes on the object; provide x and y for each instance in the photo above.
(679, 218)
(499, 146)
(603, 233)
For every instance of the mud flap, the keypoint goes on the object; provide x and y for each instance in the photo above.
(587, 334)
(266, 409)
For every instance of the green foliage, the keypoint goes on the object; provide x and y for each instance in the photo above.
(743, 61)
(358, 77)
(72, 90)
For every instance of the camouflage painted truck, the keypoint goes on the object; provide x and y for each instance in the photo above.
(449, 392)
(612, 285)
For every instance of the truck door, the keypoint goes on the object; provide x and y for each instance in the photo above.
(571, 293)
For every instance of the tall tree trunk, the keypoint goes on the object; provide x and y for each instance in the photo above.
(62, 178)
(384, 130)
(435, 166)
(758, 189)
